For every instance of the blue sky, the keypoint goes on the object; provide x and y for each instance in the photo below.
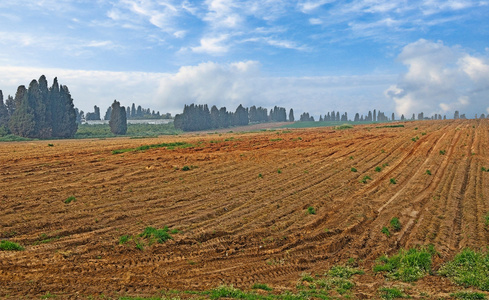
(313, 55)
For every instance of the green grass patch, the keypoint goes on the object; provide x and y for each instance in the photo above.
(133, 130)
(468, 268)
(261, 286)
(168, 146)
(378, 169)
(390, 126)
(391, 293)
(468, 295)
(148, 237)
(407, 265)
(345, 272)
(311, 210)
(70, 199)
(393, 181)
(343, 126)
(443, 152)
(10, 246)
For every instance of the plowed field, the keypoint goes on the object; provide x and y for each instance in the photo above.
(241, 203)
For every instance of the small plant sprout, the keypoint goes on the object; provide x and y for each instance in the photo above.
(393, 181)
(442, 152)
(353, 169)
(395, 224)
(428, 172)
(70, 199)
(365, 178)
(378, 169)
(279, 171)
(311, 210)
(386, 231)
(260, 175)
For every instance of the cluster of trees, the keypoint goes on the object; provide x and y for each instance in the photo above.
(199, 117)
(39, 111)
(132, 113)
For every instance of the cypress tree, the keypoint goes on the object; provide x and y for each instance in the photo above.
(22, 122)
(291, 115)
(118, 119)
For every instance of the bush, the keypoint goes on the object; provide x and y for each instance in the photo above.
(10, 246)
(391, 293)
(386, 231)
(428, 172)
(378, 169)
(393, 181)
(311, 210)
(353, 169)
(365, 178)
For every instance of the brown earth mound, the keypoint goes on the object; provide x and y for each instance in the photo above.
(249, 208)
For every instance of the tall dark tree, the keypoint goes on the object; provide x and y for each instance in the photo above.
(241, 116)
(4, 116)
(118, 119)
(108, 112)
(133, 111)
(22, 122)
(64, 123)
(291, 115)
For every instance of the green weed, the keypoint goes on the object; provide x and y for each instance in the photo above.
(156, 235)
(353, 169)
(443, 152)
(395, 224)
(407, 265)
(168, 146)
(468, 268)
(261, 286)
(393, 181)
(311, 210)
(70, 199)
(365, 178)
(385, 231)
(378, 169)
(391, 293)
(468, 295)
(428, 172)
(10, 246)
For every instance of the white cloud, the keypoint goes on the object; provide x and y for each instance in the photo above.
(440, 79)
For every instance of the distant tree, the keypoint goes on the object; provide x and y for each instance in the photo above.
(4, 116)
(118, 119)
(108, 113)
(291, 115)
(95, 116)
(133, 111)
(22, 122)
(241, 116)
(80, 115)
(357, 118)
(374, 116)
(393, 117)
(215, 117)
(456, 115)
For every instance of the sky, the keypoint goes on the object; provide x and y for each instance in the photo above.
(313, 56)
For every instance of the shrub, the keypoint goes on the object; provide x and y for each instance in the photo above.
(344, 272)
(10, 246)
(378, 169)
(124, 239)
(393, 181)
(186, 168)
(311, 210)
(386, 231)
(428, 172)
(353, 169)
(158, 235)
(468, 268)
(407, 265)
(442, 152)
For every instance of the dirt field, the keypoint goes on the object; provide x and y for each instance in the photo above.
(241, 208)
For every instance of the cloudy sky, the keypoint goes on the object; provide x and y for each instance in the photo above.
(312, 55)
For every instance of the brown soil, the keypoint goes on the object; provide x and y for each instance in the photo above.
(242, 208)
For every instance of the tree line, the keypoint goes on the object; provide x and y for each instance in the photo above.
(199, 117)
(39, 111)
(132, 113)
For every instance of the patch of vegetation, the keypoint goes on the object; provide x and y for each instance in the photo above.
(442, 152)
(391, 293)
(353, 169)
(44, 239)
(311, 210)
(385, 231)
(345, 272)
(10, 246)
(151, 235)
(428, 172)
(414, 139)
(468, 295)
(133, 130)
(486, 220)
(276, 140)
(70, 199)
(279, 171)
(365, 178)
(168, 146)
(395, 224)
(407, 265)
(378, 169)
(50, 145)
(188, 168)
(390, 126)
(260, 175)
(261, 286)
(13, 138)
(468, 268)
(343, 126)
(483, 169)
(393, 181)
